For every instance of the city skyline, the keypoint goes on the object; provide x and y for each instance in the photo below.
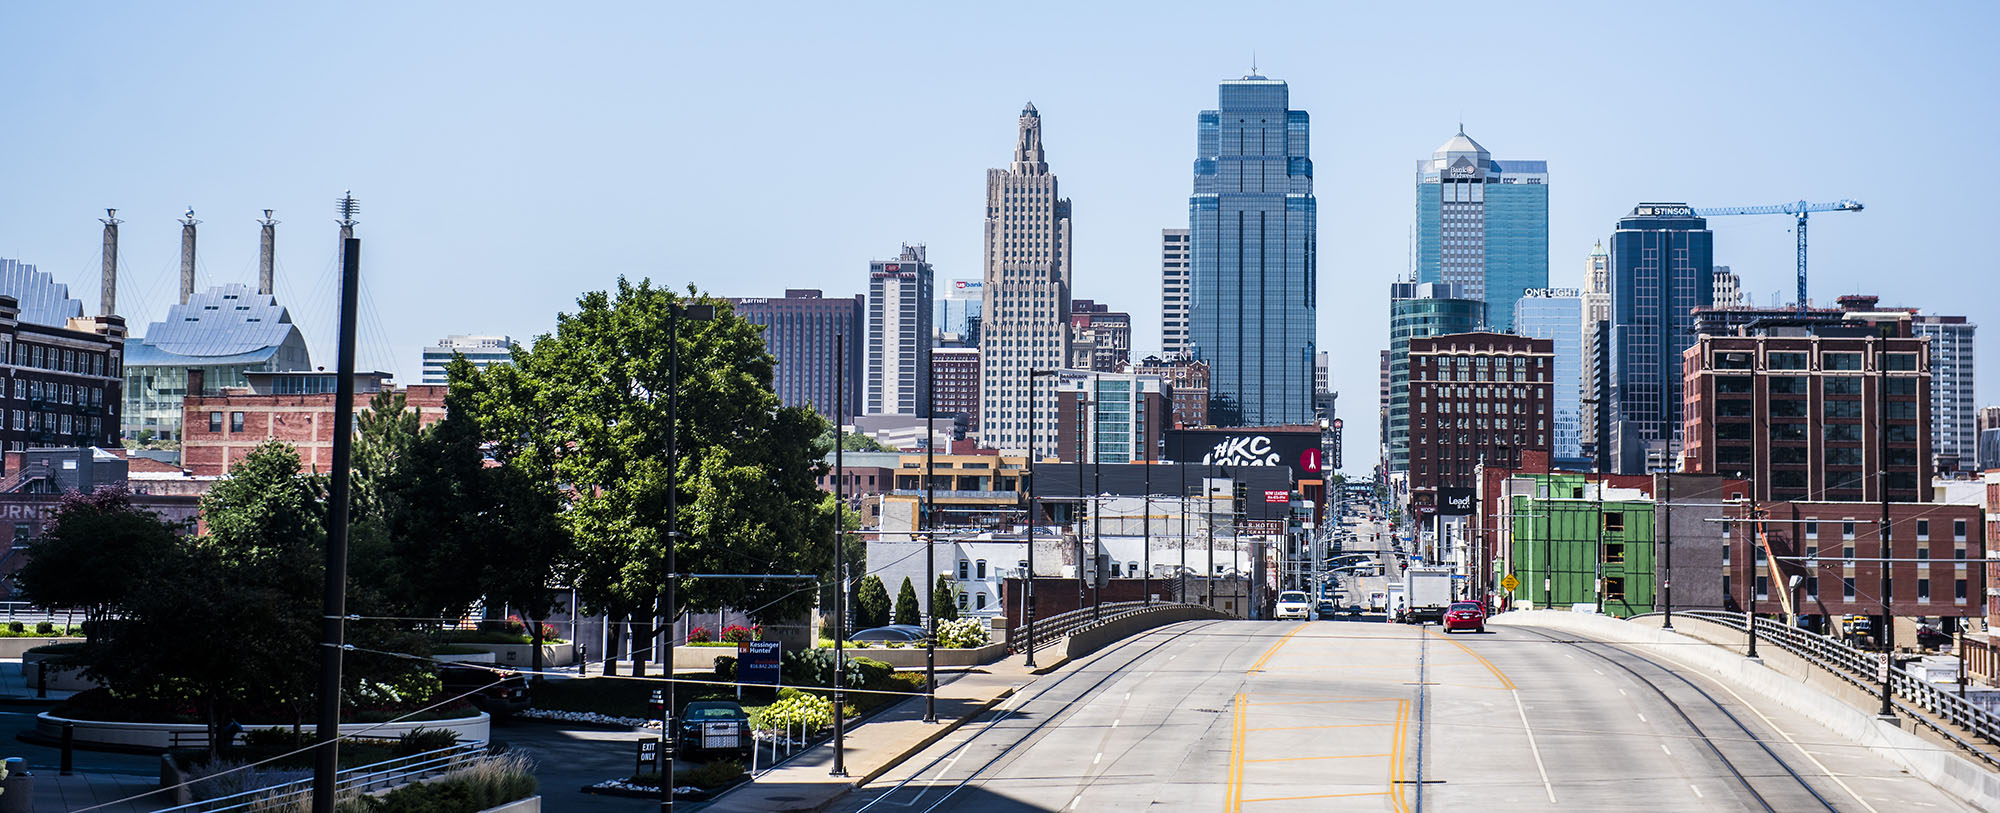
(460, 208)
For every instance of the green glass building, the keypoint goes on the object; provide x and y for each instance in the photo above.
(1418, 311)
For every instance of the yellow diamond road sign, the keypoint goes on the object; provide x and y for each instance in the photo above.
(1509, 582)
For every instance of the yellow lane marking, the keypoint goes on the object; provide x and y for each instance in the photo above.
(1482, 659)
(1233, 792)
(1396, 756)
(1259, 666)
(1319, 796)
(1304, 759)
(1305, 727)
(1312, 702)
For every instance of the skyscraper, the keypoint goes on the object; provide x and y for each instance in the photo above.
(1954, 428)
(798, 331)
(1661, 270)
(1099, 338)
(1418, 311)
(1728, 288)
(899, 334)
(1026, 293)
(1557, 314)
(1252, 222)
(1483, 225)
(482, 351)
(958, 313)
(1596, 311)
(1174, 266)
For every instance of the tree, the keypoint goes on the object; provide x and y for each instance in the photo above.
(908, 611)
(96, 550)
(871, 602)
(944, 599)
(853, 441)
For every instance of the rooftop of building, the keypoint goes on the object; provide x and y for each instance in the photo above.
(226, 324)
(44, 301)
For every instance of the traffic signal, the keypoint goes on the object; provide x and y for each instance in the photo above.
(1241, 501)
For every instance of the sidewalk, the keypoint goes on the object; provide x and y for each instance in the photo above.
(804, 784)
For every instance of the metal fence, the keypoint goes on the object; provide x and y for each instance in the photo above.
(1863, 670)
(356, 780)
(1062, 625)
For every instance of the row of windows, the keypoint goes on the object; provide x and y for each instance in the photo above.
(26, 421)
(24, 354)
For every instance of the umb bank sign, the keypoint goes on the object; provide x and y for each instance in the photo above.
(1298, 449)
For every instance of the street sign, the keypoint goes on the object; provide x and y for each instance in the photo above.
(759, 662)
(1508, 582)
(649, 756)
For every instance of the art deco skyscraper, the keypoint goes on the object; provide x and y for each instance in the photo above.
(1025, 298)
(1254, 225)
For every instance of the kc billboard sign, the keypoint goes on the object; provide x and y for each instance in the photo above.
(1297, 449)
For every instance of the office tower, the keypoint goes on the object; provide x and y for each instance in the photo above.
(1186, 381)
(1419, 310)
(1099, 338)
(955, 384)
(1795, 410)
(482, 351)
(1252, 222)
(1483, 225)
(1321, 362)
(1382, 407)
(1661, 270)
(1109, 417)
(798, 331)
(1175, 263)
(899, 334)
(1480, 399)
(1989, 437)
(1954, 431)
(958, 314)
(1728, 288)
(1556, 314)
(1026, 293)
(1596, 310)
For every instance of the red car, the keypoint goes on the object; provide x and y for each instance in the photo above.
(1465, 615)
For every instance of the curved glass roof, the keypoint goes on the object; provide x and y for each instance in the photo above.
(44, 301)
(222, 325)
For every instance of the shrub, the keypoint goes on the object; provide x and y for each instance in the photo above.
(871, 602)
(45, 628)
(725, 667)
(737, 633)
(793, 710)
(485, 784)
(699, 635)
(964, 633)
(908, 611)
(275, 738)
(16, 626)
(814, 667)
(425, 740)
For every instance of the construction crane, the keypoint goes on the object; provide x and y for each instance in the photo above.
(1800, 209)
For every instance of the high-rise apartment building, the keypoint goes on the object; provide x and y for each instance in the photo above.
(799, 331)
(1661, 270)
(1416, 311)
(898, 380)
(1099, 338)
(958, 313)
(1556, 314)
(1026, 293)
(1483, 225)
(1109, 417)
(1176, 261)
(1480, 399)
(1253, 226)
(1728, 288)
(1954, 426)
(482, 351)
(955, 384)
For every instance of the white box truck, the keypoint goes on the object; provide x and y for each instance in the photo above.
(1428, 590)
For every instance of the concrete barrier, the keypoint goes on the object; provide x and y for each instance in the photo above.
(1940, 766)
(521, 656)
(1098, 637)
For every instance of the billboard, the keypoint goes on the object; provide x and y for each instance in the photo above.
(1297, 449)
(1455, 502)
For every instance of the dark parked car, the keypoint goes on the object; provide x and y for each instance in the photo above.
(498, 692)
(714, 725)
(894, 633)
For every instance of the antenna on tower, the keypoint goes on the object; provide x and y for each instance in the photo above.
(348, 207)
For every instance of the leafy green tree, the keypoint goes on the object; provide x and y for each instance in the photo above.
(853, 441)
(871, 602)
(944, 599)
(908, 611)
(96, 550)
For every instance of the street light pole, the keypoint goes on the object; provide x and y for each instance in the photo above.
(1888, 636)
(1034, 516)
(1096, 489)
(1669, 581)
(839, 554)
(1182, 465)
(670, 607)
(1146, 512)
(930, 546)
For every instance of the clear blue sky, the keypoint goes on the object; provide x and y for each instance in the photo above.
(511, 156)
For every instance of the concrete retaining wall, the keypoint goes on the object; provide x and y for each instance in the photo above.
(521, 656)
(910, 657)
(1939, 766)
(17, 647)
(160, 735)
(532, 804)
(1096, 638)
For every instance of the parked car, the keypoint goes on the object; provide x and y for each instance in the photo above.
(1930, 637)
(709, 726)
(498, 692)
(1293, 605)
(893, 633)
(1465, 615)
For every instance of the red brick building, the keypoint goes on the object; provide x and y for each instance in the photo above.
(955, 383)
(1476, 399)
(295, 407)
(1796, 410)
(1835, 548)
(1187, 383)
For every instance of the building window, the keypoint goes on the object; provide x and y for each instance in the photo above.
(964, 569)
(1847, 530)
(1812, 587)
(1923, 589)
(215, 422)
(1763, 588)
(979, 601)
(1614, 522)
(1958, 590)
(980, 568)
(1958, 530)
(1923, 530)
(961, 601)
(235, 422)
(1812, 530)
(1614, 552)
(1847, 588)
(1614, 588)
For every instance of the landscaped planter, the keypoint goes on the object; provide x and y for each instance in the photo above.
(18, 647)
(521, 656)
(532, 804)
(912, 656)
(60, 678)
(161, 735)
(470, 657)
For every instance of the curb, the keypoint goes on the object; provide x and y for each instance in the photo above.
(1058, 663)
(928, 741)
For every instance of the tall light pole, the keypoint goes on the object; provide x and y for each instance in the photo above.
(1034, 514)
(1096, 489)
(1146, 512)
(671, 606)
(1182, 465)
(839, 554)
(930, 545)
(333, 611)
(1888, 636)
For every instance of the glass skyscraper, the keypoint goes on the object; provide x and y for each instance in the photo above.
(1253, 223)
(1557, 314)
(1662, 268)
(1419, 311)
(1483, 225)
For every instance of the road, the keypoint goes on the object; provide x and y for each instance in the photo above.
(1275, 716)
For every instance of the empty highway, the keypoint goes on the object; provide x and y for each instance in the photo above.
(1259, 716)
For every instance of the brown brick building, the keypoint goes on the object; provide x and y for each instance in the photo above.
(63, 385)
(1187, 384)
(295, 407)
(1796, 411)
(955, 384)
(1835, 548)
(1476, 399)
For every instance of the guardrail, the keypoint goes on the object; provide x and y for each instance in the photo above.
(1863, 670)
(356, 780)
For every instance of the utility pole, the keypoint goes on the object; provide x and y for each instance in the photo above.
(1888, 636)
(1182, 465)
(840, 554)
(333, 612)
(1096, 508)
(1668, 582)
(1034, 515)
(670, 599)
(930, 545)
(1146, 512)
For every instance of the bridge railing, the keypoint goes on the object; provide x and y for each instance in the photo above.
(1050, 630)
(356, 780)
(1863, 670)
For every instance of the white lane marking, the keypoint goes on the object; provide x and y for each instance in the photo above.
(1569, 656)
(1697, 791)
(1795, 744)
(1663, 748)
(1642, 717)
(1128, 695)
(1096, 759)
(1074, 802)
(1546, 784)
(1114, 723)
(1600, 672)
(1621, 693)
